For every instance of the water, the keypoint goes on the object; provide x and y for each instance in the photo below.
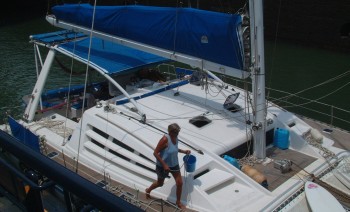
(289, 68)
(17, 65)
(294, 68)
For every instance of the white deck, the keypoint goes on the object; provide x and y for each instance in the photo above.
(115, 143)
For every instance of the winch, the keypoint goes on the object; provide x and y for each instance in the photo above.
(283, 165)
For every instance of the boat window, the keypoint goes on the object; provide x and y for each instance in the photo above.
(101, 133)
(200, 121)
(97, 143)
(119, 143)
(201, 173)
(119, 155)
(149, 169)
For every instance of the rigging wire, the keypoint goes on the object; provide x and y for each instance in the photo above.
(237, 117)
(69, 94)
(281, 100)
(160, 130)
(274, 46)
(86, 78)
(315, 100)
(318, 85)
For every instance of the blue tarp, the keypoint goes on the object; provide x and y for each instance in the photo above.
(208, 35)
(57, 37)
(108, 56)
(24, 135)
(111, 57)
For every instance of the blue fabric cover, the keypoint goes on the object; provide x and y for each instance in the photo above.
(56, 37)
(111, 57)
(24, 135)
(204, 34)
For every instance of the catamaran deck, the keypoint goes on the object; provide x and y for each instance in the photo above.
(274, 176)
(133, 196)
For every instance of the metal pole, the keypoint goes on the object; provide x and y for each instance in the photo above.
(258, 74)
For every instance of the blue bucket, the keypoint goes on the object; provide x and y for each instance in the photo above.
(190, 163)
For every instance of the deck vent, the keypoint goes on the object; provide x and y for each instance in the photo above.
(200, 121)
(291, 124)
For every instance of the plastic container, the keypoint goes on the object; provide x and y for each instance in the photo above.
(190, 163)
(232, 160)
(281, 138)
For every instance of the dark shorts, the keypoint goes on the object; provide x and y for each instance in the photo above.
(162, 174)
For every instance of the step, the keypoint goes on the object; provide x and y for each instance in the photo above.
(212, 179)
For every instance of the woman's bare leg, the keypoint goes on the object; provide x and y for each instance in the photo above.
(178, 181)
(156, 184)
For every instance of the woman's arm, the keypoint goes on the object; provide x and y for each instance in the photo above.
(185, 151)
(162, 144)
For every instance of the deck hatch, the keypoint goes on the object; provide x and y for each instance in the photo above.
(200, 121)
(234, 108)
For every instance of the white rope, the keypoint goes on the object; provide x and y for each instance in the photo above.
(345, 166)
(248, 160)
(325, 152)
(53, 125)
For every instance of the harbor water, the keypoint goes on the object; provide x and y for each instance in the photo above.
(290, 68)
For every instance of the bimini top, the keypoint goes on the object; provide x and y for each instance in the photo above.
(109, 57)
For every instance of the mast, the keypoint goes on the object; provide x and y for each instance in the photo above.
(258, 77)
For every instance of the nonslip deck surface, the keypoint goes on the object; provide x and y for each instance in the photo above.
(275, 177)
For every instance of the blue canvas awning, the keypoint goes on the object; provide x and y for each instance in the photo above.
(211, 36)
(109, 57)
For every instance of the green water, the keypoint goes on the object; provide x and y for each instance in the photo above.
(289, 68)
(294, 68)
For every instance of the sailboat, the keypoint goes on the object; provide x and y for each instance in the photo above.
(250, 154)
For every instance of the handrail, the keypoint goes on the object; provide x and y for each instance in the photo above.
(90, 192)
(19, 174)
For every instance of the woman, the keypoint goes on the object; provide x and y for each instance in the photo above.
(166, 154)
